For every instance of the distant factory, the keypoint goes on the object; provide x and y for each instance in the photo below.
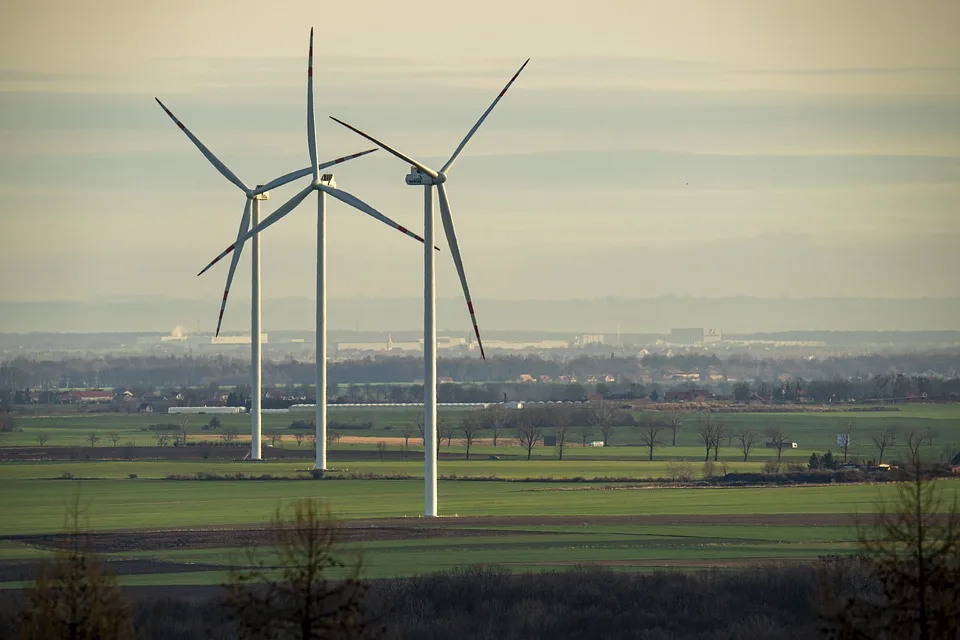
(177, 338)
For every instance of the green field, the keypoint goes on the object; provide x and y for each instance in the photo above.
(510, 523)
(531, 540)
(813, 431)
(38, 505)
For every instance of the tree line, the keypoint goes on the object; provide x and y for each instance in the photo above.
(197, 371)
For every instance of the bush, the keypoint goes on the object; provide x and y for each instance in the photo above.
(772, 467)
(132, 476)
(709, 469)
(679, 471)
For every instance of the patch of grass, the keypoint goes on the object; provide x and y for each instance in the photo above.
(35, 506)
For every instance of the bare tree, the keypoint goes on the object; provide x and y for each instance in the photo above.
(585, 433)
(849, 434)
(497, 418)
(529, 433)
(7, 422)
(674, 423)
(74, 596)
(332, 438)
(93, 438)
(470, 428)
(747, 438)
(916, 438)
(778, 438)
(162, 439)
(710, 431)
(418, 420)
(307, 586)
(228, 435)
(180, 438)
(276, 436)
(299, 437)
(650, 434)
(603, 416)
(43, 438)
(114, 436)
(911, 551)
(446, 430)
(381, 447)
(884, 439)
(563, 437)
(720, 430)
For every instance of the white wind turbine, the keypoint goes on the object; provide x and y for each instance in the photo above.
(251, 216)
(422, 175)
(323, 185)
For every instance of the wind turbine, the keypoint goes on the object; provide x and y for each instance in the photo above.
(422, 175)
(323, 184)
(251, 216)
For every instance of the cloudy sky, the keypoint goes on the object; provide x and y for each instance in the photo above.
(763, 147)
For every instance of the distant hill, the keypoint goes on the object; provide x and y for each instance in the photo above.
(732, 315)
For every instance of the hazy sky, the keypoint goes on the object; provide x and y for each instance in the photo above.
(757, 147)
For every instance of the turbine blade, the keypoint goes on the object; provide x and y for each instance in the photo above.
(222, 168)
(269, 220)
(283, 210)
(427, 170)
(220, 257)
(472, 131)
(300, 173)
(311, 120)
(447, 220)
(330, 163)
(359, 204)
(282, 180)
(244, 225)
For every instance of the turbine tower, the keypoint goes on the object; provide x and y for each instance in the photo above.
(250, 217)
(422, 175)
(323, 184)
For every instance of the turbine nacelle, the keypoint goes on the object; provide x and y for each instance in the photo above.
(419, 178)
(326, 179)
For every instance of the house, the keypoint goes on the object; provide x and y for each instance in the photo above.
(445, 379)
(98, 396)
(526, 377)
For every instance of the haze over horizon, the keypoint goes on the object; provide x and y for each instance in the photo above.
(765, 149)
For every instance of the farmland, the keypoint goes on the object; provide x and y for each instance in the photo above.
(159, 526)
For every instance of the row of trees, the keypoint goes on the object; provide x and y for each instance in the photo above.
(866, 376)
